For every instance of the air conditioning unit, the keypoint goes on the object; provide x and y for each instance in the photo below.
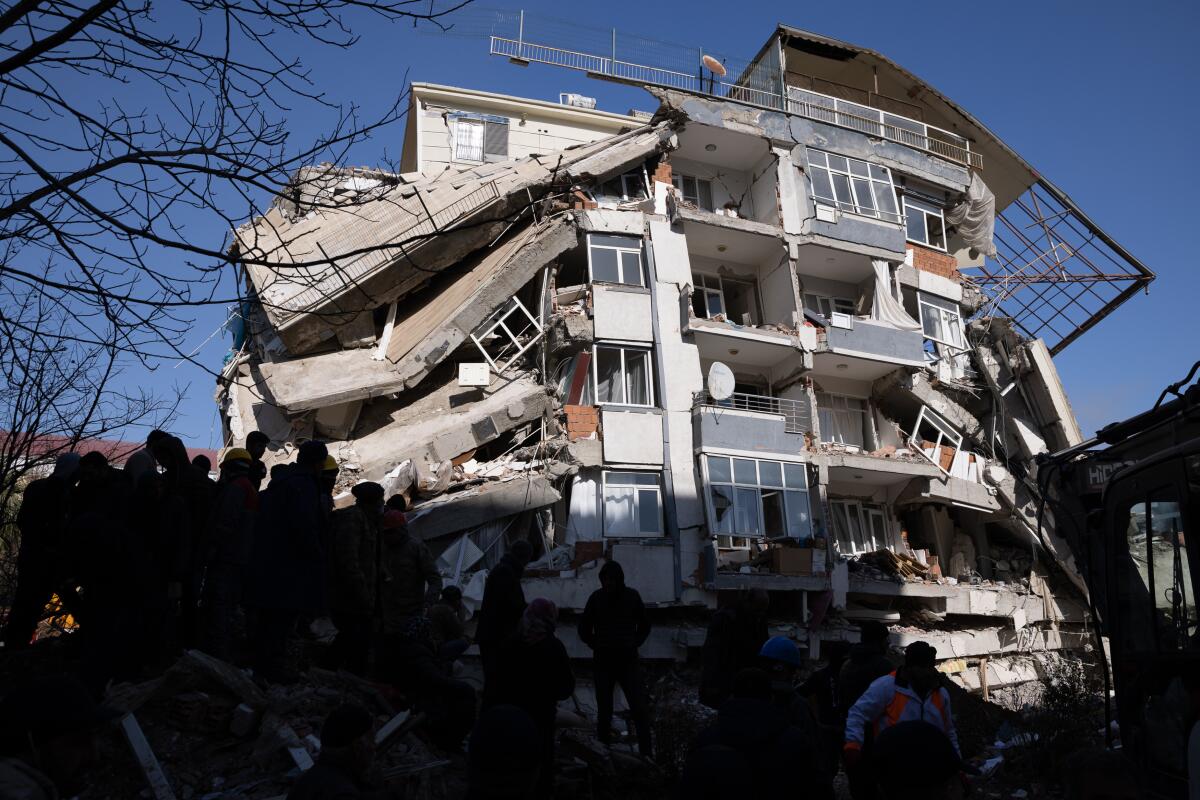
(839, 320)
(576, 100)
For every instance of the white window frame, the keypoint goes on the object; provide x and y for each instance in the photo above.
(461, 124)
(865, 514)
(635, 247)
(500, 319)
(679, 179)
(626, 179)
(925, 210)
(759, 487)
(827, 305)
(841, 418)
(710, 285)
(946, 434)
(623, 349)
(875, 184)
(950, 319)
(614, 479)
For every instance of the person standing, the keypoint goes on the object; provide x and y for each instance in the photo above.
(355, 566)
(41, 560)
(735, 635)
(503, 602)
(410, 579)
(256, 446)
(614, 624)
(866, 663)
(142, 461)
(227, 550)
(448, 616)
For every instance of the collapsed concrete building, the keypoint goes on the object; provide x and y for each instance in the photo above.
(767, 337)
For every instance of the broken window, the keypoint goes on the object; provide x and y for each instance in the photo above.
(841, 419)
(852, 185)
(736, 300)
(623, 376)
(615, 259)
(936, 439)
(925, 223)
(627, 187)
(754, 498)
(632, 504)
(859, 527)
(514, 328)
(828, 306)
(707, 298)
(940, 320)
(696, 191)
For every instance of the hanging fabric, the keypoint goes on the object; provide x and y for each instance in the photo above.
(884, 306)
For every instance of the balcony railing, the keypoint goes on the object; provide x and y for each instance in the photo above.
(797, 416)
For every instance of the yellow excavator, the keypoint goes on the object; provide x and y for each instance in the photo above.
(1128, 503)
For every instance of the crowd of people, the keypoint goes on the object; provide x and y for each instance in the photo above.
(157, 557)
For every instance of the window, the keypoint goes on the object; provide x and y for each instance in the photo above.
(1158, 555)
(841, 419)
(615, 259)
(521, 330)
(936, 439)
(750, 497)
(630, 186)
(622, 376)
(479, 137)
(826, 306)
(940, 320)
(708, 300)
(925, 223)
(852, 185)
(632, 504)
(696, 191)
(859, 527)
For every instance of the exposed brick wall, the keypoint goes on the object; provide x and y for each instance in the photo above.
(663, 173)
(934, 261)
(582, 421)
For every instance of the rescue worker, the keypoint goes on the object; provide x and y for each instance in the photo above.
(735, 635)
(448, 616)
(533, 672)
(614, 624)
(256, 446)
(142, 461)
(288, 567)
(866, 663)
(503, 602)
(410, 579)
(938, 771)
(203, 464)
(343, 770)
(411, 663)
(41, 561)
(226, 550)
(328, 481)
(355, 557)
(780, 660)
(912, 692)
(821, 691)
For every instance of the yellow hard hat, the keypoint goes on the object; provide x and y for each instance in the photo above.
(331, 464)
(236, 454)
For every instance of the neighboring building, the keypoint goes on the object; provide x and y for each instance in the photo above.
(734, 346)
(44, 450)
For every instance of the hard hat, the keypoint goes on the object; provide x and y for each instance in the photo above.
(331, 464)
(236, 454)
(782, 649)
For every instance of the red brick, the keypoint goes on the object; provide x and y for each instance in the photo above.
(663, 173)
(935, 262)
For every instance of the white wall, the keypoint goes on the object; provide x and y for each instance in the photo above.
(776, 291)
(727, 184)
(846, 386)
(763, 190)
(632, 437)
(622, 314)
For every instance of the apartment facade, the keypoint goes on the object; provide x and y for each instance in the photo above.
(730, 346)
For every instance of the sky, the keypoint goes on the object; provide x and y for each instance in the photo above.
(1098, 97)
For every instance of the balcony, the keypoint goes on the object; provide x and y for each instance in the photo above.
(751, 423)
(797, 416)
(867, 349)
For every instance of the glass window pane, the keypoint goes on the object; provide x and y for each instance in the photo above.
(631, 268)
(879, 173)
(722, 502)
(862, 194)
(841, 186)
(705, 197)
(618, 512)
(649, 520)
(718, 470)
(715, 306)
(774, 521)
(799, 522)
(643, 478)
(610, 388)
(936, 230)
(770, 473)
(747, 522)
(637, 373)
(915, 222)
(795, 477)
(838, 163)
(744, 472)
(885, 198)
(816, 157)
(629, 242)
(822, 188)
(604, 265)
(859, 168)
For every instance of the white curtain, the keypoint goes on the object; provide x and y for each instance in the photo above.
(583, 517)
(886, 308)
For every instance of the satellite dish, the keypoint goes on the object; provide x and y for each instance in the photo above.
(720, 381)
(714, 66)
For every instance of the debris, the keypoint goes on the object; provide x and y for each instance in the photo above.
(146, 759)
(226, 674)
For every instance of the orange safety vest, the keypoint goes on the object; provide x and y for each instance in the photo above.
(895, 709)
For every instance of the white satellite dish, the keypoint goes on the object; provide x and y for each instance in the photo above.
(720, 381)
(714, 66)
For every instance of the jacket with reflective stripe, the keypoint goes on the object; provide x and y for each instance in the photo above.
(885, 703)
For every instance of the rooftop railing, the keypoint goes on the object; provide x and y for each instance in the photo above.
(796, 413)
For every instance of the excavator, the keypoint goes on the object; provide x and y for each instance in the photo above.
(1128, 503)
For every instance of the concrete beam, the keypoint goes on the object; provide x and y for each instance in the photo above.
(461, 511)
(968, 643)
(951, 491)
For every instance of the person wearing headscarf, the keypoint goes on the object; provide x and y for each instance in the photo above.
(533, 672)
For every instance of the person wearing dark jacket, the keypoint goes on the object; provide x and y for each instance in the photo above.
(735, 635)
(821, 690)
(867, 661)
(343, 770)
(411, 663)
(774, 750)
(41, 560)
(503, 601)
(355, 556)
(228, 545)
(409, 579)
(533, 672)
(288, 568)
(614, 624)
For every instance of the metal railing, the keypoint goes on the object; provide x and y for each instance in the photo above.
(797, 416)
(874, 122)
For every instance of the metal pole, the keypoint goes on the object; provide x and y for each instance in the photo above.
(612, 64)
(783, 93)
(521, 35)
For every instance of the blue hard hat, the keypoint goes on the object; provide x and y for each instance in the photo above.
(781, 648)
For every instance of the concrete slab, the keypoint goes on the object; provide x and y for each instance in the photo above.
(473, 507)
